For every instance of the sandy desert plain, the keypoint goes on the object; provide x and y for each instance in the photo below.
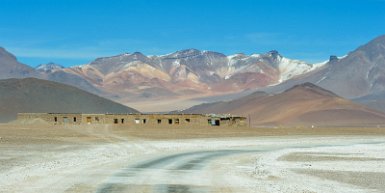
(42, 158)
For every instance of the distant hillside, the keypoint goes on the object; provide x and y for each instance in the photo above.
(35, 95)
(11, 68)
(305, 104)
(374, 101)
(227, 107)
(360, 75)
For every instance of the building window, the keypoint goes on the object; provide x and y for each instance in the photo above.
(55, 119)
(176, 121)
(159, 121)
(75, 119)
(137, 121)
(122, 120)
(88, 120)
(97, 119)
(170, 121)
(187, 120)
(144, 121)
(116, 121)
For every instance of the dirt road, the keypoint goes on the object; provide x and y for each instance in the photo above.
(226, 170)
(102, 160)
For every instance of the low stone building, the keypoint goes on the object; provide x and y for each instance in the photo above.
(153, 120)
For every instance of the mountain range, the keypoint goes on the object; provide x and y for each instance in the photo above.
(195, 76)
(302, 105)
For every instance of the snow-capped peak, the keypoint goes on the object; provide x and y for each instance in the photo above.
(255, 55)
(184, 53)
(48, 67)
(235, 56)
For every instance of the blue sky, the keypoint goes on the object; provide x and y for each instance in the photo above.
(72, 32)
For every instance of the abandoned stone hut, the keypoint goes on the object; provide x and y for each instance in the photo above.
(154, 120)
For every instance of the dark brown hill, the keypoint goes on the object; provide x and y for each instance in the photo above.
(36, 95)
(301, 105)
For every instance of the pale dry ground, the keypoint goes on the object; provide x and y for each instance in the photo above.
(37, 158)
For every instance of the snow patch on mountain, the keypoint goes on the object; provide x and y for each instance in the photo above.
(290, 68)
(50, 67)
(255, 55)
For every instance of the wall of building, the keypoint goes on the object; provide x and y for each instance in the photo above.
(137, 120)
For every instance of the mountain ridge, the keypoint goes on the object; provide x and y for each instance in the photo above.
(199, 71)
(11, 68)
(194, 74)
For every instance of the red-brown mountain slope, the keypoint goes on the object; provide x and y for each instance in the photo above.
(302, 105)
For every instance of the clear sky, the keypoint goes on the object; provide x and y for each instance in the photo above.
(72, 32)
